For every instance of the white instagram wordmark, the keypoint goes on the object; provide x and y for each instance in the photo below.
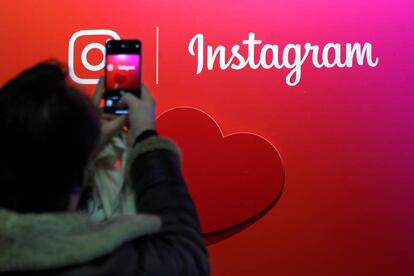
(126, 67)
(93, 45)
(320, 56)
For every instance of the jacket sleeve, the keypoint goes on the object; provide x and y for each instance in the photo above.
(159, 187)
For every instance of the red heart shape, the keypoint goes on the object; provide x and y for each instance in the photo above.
(232, 179)
(120, 78)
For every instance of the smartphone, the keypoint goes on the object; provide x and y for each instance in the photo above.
(122, 73)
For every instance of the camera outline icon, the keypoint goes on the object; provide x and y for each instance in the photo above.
(85, 50)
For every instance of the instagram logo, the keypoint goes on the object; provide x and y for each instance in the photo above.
(86, 54)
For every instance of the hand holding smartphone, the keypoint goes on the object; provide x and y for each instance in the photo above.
(122, 73)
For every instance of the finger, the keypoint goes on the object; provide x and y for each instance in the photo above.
(113, 127)
(128, 99)
(145, 94)
(119, 122)
(99, 91)
(121, 104)
(108, 116)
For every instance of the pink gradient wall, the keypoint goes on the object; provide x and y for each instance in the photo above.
(345, 135)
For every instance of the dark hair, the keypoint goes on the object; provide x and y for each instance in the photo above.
(48, 131)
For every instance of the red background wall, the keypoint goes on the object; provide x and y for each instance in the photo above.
(345, 135)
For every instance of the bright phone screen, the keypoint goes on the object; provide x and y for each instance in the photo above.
(122, 74)
(122, 71)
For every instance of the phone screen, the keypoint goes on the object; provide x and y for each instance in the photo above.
(123, 72)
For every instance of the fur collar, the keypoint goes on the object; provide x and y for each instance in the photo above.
(45, 241)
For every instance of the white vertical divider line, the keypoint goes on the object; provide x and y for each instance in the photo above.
(156, 57)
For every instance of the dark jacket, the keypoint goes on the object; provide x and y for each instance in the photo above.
(163, 239)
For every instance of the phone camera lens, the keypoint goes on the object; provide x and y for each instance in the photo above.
(122, 46)
(137, 46)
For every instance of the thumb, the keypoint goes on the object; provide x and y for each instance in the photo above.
(128, 99)
(99, 91)
(111, 128)
(145, 94)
